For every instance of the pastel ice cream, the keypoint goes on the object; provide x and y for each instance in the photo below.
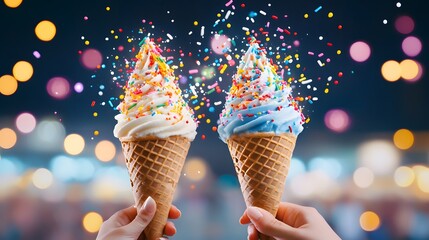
(153, 104)
(259, 100)
(155, 127)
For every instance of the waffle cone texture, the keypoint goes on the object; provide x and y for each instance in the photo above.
(262, 162)
(154, 166)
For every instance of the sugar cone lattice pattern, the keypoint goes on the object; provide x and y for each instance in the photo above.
(154, 166)
(262, 163)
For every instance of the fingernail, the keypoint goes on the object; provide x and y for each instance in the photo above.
(163, 238)
(254, 213)
(149, 204)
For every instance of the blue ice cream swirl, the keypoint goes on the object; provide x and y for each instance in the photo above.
(259, 100)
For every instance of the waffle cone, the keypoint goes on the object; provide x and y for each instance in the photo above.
(154, 166)
(262, 163)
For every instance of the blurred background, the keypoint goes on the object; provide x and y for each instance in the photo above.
(357, 69)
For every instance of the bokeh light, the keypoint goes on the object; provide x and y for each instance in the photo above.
(380, 156)
(42, 178)
(13, 3)
(66, 168)
(409, 69)
(7, 138)
(111, 183)
(363, 177)
(404, 176)
(74, 144)
(49, 135)
(220, 44)
(297, 167)
(91, 58)
(412, 46)
(58, 87)
(25, 122)
(105, 151)
(302, 185)
(404, 24)
(403, 139)
(22, 71)
(360, 51)
(419, 74)
(45, 30)
(8, 85)
(195, 169)
(78, 87)
(331, 167)
(337, 120)
(369, 221)
(208, 72)
(391, 71)
(422, 177)
(92, 221)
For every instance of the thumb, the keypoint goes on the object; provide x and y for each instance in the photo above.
(267, 224)
(143, 218)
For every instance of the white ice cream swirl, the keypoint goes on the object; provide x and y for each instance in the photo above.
(153, 104)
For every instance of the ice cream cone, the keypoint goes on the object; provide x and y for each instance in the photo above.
(154, 165)
(262, 163)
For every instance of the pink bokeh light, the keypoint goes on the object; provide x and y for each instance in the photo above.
(412, 46)
(337, 120)
(25, 122)
(404, 24)
(220, 44)
(78, 87)
(58, 87)
(91, 58)
(360, 51)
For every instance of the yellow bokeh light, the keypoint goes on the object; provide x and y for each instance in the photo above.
(105, 151)
(422, 177)
(409, 69)
(74, 144)
(369, 221)
(195, 169)
(404, 176)
(45, 30)
(391, 71)
(42, 178)
(92, 222)
(8, 85)
(7, 138)
(403, 139)
(13, 3)
(22, 71)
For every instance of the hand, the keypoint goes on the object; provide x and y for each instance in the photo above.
(128, 223)
(294, 222)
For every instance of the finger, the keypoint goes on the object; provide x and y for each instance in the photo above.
(123, 217)
(174, 213)
(170, 229)
(252, 233)
(291, 214)
(244, 219)
(144, 216)
(267, 224)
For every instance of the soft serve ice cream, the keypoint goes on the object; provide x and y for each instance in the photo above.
(260, 123)
(259, 100)
(155, 127)
(153, 104)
